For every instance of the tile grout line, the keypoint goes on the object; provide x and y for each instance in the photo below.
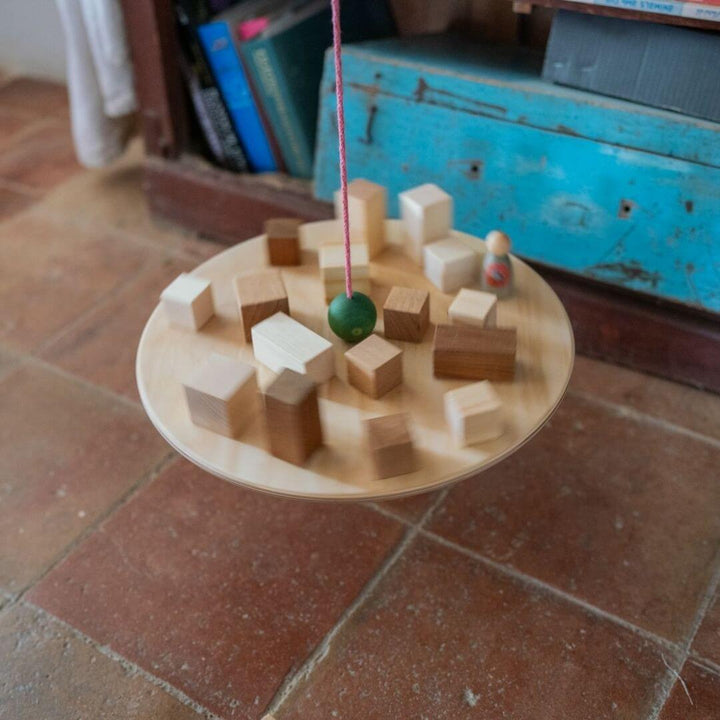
(145, 479)
(638, 416)
(546, 589)
(130, 667)
(705, 664)
(323, 648)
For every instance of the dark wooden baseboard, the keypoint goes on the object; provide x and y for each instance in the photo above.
(622, 327)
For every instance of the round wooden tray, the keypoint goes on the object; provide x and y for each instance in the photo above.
(341, 470)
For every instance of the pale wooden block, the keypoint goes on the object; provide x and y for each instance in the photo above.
(450, 264)
(222, 395)
(474, 413)
(473, 307)
(331, 259)
(427, 214)
(281, 342)
(367, 210)
(335, 288)
(188, 302)
(374, 366)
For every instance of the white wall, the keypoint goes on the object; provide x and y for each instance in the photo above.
(31, 39)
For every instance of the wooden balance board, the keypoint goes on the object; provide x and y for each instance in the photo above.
(342, 470)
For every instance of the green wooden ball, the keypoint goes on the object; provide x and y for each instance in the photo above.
(352, 319)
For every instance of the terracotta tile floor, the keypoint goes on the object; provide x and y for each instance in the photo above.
(578, 580)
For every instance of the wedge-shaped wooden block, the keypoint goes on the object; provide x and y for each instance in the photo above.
(406, 314)
(292, 417)
(281, 342)
(391, 447)
(260, 294)
(450, 264)
(374, 366)
(283, 243)
(367, 209)
(474, 413)
(188, 302)
(222, 395)
(331, 259)
(427, 214)
(473, 307)
(475, 353)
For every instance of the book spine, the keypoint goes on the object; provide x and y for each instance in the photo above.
(216, 40)
(698, 11)
(279, 106)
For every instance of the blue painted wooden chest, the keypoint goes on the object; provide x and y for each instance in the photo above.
(611, 190)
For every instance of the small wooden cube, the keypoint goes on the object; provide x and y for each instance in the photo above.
(463, 351)
(427, 214)
(391, 447)
(374, 366)
(474, 413)
(260, 294)
(280, 342)
(188, 302)
(222, 395)
(283, 242)
(450, 264)
(406, 314)
(292, 417)
(473, 307)
(367, 209)
(332, 268)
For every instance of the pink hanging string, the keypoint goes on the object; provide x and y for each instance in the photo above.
(341, 143)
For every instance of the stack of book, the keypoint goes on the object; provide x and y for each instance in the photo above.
(254, 69)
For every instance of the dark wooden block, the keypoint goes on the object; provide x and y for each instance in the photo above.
(474, 353)
(391, 446)
(283, 242)
(260, 294)
(292, 417)
(406, 314)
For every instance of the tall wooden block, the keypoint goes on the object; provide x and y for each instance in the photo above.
(367, 210)
(188, 302)
(475, 353)
(280, 342)
(260, 294)
(292, 417)
(450, 264)
(474, 413)
(473, 307)
(331, 259)
(222, 395)
(374, 366)
(391, 447)
(406, 314)
(283, 243)
(427, 213)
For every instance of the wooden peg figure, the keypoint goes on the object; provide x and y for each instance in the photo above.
(497, 271)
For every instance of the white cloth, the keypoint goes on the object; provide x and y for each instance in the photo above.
(100, 83)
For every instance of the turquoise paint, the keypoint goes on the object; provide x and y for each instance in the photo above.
(604, 188)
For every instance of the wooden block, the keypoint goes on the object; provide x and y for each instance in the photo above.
(188, 302)
(292, 417)
(450, 264)
(391, 447)
(260, 294)
(473, 413)
(331, 259)
(406, 314)
(427, 213)
(475, 353)
(367, 210)
(281, 342)
(222, 395)
(374, 366)
(473, 307)
(283, 243)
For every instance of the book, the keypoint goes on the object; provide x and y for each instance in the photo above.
(216, 38)
(285, 62)
(210, 109)
(700, 10)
